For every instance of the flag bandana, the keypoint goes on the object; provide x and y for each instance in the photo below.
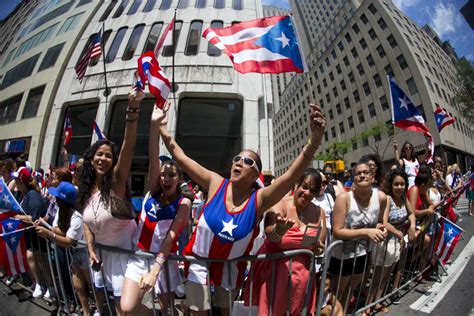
(447, 239)
(9, 206)
(268, 45)
(442, 118)
(149, 71)
(98, 131)
(12, 247)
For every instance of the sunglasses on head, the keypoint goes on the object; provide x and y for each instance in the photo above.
(247, 161)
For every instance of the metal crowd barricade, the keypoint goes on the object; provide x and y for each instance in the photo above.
(408, 264)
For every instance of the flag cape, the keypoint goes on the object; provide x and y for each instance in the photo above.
(12, 247)
(267, 45)
(448, 237)
(442, 118)
(9, 206)
(149, 71)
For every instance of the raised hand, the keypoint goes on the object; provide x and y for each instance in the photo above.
(317, 124)
(159, 115)
(283, 224)
(135, 96)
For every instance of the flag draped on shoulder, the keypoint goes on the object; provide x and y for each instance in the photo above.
(447, 239)
(93, 49)
(98, 131)
(405, 114)
(12, 247)
(442, 118)
(166, 38)
(267, 45)
(9, 206)
(150, 71)
(67, 129)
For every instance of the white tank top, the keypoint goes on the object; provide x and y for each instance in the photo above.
(411, 169)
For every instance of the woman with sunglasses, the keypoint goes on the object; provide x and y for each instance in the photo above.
(229, 220)
(408, 159)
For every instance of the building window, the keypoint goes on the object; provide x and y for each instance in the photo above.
(348, 37)
(120, 9)
(219, 4)
(338, 69)
(372, 34)
(360, 116)
(366, 88)
(389, 70)
(402, 62)
(153, 37)
(200, 4)
(354, 53)
(341, 128)
(334, 91)
(377, 81)
(168, 49)
(183, 4)
(194, 36)
(134, 8)
(346, 103)
(372, 8)
(70, 23)
(350, 122)
(338, 109)
(429, 84)
(356, 95)
(105, 39)
(165, 5)
(36, 40)
(391, 40)
(333, 54)
(351, 77)
(33, 102)
(383, 103)
(328, 98)
(370, 60)
(133, 42)
(199, 142)
(360, 69)
(346, 61)
(52, 15)
(341, 46)
(51, 56)
(212, 50)
(150, 4)
(364, 19)
(112, 53)
(411, 84)
(331, 76)
(107, 11)
(382, 24)
(333, 132)
(363, 44)
(9, 109)
(20, 71)
(343, 85)
(372, 112)
(237, 5)
(325, 83)
(355, 28)
(380, 51)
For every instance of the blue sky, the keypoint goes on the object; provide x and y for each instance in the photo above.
(442, 15)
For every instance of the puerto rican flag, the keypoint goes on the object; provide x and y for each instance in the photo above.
(98, 131)
(268, 45)
(406, 116)
(442, 118)
(149, 71)
(448, 237)
(67, 129)
(166, 38)
(9, 206)
(12, 247)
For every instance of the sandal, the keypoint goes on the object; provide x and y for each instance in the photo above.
(380, 308)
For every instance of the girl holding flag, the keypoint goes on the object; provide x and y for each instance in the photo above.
(229, 220)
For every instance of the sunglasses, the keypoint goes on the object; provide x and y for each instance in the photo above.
(247, 161)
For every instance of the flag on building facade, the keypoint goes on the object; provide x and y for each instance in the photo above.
(268, 45)
(448, 237)
(442, 118)
(67, 129)
(166, 38)
(98, 131)
(9, 206)
(406, 116)
(94, 49)
(149, 71)
(12, 247)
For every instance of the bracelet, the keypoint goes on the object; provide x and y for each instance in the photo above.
(164, 257)
(131, 119)
(310, 144)
(158, 263)
(132, 110)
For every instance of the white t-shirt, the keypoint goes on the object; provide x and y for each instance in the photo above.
(325, 202)
(76, 228)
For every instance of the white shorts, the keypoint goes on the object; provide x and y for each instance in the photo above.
(392, 255)
(138, 267)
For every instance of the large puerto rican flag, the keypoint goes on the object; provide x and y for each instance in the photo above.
(268, 45)
(448, 237)
(149, 71)
(12, 247)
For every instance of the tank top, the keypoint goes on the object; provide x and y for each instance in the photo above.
(397, 216)
(411, 169)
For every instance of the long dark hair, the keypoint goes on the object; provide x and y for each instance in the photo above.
(413, 155)
(179, 171)
(87, 175)
(379, 175)
(314, 174)
(391, 177)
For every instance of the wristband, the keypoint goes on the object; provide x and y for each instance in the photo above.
(310, 144)
(133, 110)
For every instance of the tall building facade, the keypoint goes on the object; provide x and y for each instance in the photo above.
(348, 66)
(38, 38)
(216, 112)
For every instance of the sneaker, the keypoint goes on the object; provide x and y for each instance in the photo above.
(396, 299)
(11, 280)
(38, 292)
(97, 313)
(50, 293)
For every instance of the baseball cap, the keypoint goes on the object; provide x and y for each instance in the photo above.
(23, 175)
(65, 191)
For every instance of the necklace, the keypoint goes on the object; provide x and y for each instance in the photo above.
(301, 216)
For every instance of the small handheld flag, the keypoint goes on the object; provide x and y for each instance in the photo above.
(67, 129)
(442, 118)
(448, 237)
(149, 71)
(98, 131)
(268, 45)
(94, 49)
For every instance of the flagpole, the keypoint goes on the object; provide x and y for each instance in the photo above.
(106, 93)
(16, 231)
(173, 83)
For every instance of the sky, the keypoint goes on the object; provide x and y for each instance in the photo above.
(442, 15)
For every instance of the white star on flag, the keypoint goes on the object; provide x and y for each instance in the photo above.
(450, 231)
(10, 226)
(228, 227)
(283, 39)
(404, 102)
(13, 240)
(6, 200)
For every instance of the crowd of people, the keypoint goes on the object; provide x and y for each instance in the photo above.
(384, 213)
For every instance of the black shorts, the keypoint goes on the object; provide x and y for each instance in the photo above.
(348, 265)
(34, 242)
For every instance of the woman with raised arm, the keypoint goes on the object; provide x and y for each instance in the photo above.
(165, 212)
(408, 159)
(227, 226)
(102, 201)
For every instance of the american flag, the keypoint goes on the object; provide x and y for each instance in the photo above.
(94, 49)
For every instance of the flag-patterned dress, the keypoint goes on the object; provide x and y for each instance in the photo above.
(221, 234)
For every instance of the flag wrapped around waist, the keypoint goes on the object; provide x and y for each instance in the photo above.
(12, 247)
(150, 71)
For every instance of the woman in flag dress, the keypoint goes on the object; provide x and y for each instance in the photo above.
(165, 212)
(229, 220)
(103, 180)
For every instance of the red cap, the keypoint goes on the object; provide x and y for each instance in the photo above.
(23, 174)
